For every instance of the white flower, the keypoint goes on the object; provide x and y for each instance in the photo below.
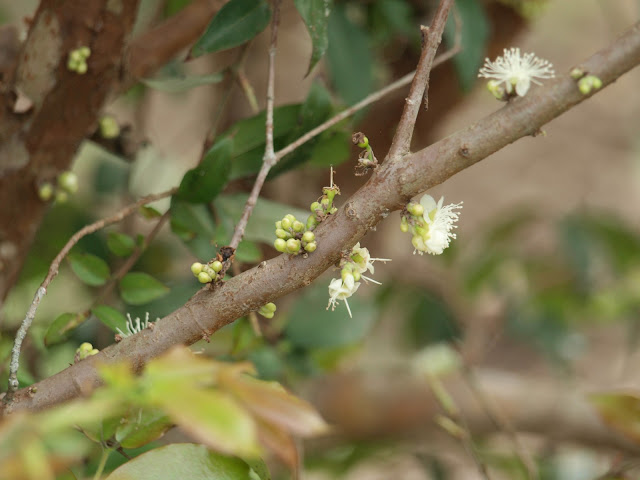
(439, 221)
(340, 289)
(363, 261)
(135, 326)
(517, 71)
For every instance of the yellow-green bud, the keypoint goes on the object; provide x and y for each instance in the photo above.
(85, 350)
(45, 192)
(290, 217)
(293, 245)
(270, 307)
(595, 81)
(279, 224)
(308, 236)
(109, 127)
(356, 275)
(68, 181)
(196, 268)
(84, 51)
(315, 206)
(297, 226)
(286, 223)
(585, 85)
(577, 73)
(216, 266)
(203, 277)
(280, 233)
(76, 56)
(312, 222)
(404, 227)
(81, 68)
(311, 247)
(364, 143)
(280, 245)
(415, 209)
(324, 202)
(62, 196)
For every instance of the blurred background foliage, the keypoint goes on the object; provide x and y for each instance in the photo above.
(529, 286)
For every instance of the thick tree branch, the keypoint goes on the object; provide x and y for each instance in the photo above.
(388, 189)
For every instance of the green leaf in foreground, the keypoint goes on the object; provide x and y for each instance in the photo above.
(61, 327)
(120, 244)
(182, 461)
(138, 288)
(111, 317)
(315, 14)
(90, 269)
(182, 83)
(203, 183)
(237, 22)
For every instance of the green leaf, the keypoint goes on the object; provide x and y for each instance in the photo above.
(248, 252)
(62, 326)
(312, 326)
(181, 461)
(333, 148)
(475, 34)
(349, 56)
(261, 224)
(149, 212)
(237, 22)
(195, 227)
(138, 288)
(203, 183)
(90, 269)
(182, 83)
(315, 110)
(111, 317)
(142, 427)
(120, 244)
(315, 14)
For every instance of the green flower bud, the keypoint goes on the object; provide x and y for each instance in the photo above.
(346, 272)
(204, 277)
(280, 245)
(308, 236)
(290, 217)
(324, 203)
(85, 350)
(297, 226)
(315, 206)
(216, 266)
(76, 56)
(45, 192)
(404, 227)
(84, 51)
(311, 247)
(364, 143)
(576, 73)
(584, 85)
(109, 127)
(333, 210)
(415, 209)
(196, 268)
(72, 65)
(62, 197)
(595, 81)
(293, 245)
(279, 224)
(356, 275)
(312, 222)
(68, 181)
(280, 233)
(286, 223)
(266, 314)
(82, 68)
(270, 307)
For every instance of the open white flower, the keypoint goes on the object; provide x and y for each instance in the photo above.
(439, 221)
(517, 71)
(341, 289)
(363, 261)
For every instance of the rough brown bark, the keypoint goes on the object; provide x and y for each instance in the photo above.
(39, 144)
(392, 185)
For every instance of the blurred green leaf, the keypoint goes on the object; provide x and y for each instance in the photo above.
(349, 57)
(311, 325)
(120, 244)
(261, 226)
(315, 110)
(61, 327)
(431, 321)
(90, 269)
(475, 35)
(203, 183)
(195, 226)
(111, 317)
(171, 7)
(397, 17)
(182, 83)
(333, 148)
(315, 14)
(181, 461)
(248, 252)
(138, 288)
(620, 411)
(142, 427)
(149, 212)
(237, 22)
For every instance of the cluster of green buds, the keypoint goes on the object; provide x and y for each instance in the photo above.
(207, 273)
(293, 236)
(77, 61)
(367, 160)
(67, 184)
(267, 310)
(83, 351)
(586, 83)
(323, 207)
(109, 127)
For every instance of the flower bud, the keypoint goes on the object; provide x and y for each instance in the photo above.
(315, 206)
(45, 192)
(196, 268)
(82, 68)
(62, 196)
(595, 81)
(68, 181)
(290, 217)
(584, 85)
(311, 247)
(356, 275)
(415, 209)
(293, 245)
(216, 266)
(297, 226)
(280, 233)
(204, 277)
(576, 73)
(209, 271)
(286, 223)
(308, 236)
(270, 307)
(324, 203)
(278, 224)
(109, 127)
(84, 51)
(280, 245)
(312, 222)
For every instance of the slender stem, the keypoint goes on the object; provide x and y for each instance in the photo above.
(431, 37)
(103, 461)
(269, 158)
(53, 271)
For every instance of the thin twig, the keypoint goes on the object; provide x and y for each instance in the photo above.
(53, 271)
(431, 37)
(243, 81)
(269, 158)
